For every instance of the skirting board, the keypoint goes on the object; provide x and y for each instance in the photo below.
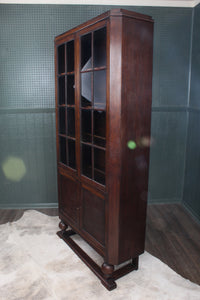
(27, 205)
(191, 212)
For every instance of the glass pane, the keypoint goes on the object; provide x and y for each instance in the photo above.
(61, 90)
(86, 125)
(86, 89)
(71, 121)
(72, 153)
(99, 165)
(62, 126)
(99, 159)
(100, 89)
(99, 176)
(87, 160)
(100, 48)
(70, 56)
(99, 120)
(61, 59)
(86, 52)
(70, 89)
(63, 155)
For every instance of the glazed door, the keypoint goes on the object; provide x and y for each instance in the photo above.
(69, 186)
(66, 105)
(93, 72)
(93, 115)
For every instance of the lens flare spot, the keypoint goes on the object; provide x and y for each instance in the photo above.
(144, 141)
(131, 145)
(14, 168)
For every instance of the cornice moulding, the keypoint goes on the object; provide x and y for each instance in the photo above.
(164, 3)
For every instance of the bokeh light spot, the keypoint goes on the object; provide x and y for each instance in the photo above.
(14, 168)
(131, 145)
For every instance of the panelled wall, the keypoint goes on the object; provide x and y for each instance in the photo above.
(191, 196)
(27, 115)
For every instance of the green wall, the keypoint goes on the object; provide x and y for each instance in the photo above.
(27, 116)
(191, 196)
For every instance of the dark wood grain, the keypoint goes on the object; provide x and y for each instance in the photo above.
(93, 215)
(109, 215)
(114, 140)
(137, 48)
(69, 189)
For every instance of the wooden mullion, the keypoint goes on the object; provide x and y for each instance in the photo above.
(65, 58)
(94, 69)
(92, 98)
(77, 59)
(94, 146)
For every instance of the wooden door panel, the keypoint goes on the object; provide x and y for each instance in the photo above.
(93, 215)
(69, 198)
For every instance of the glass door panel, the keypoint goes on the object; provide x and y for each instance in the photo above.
(99, 165)
(87, 160)
(86, 89)
(70, 90)
(71, 121)
(70, 56)
(99, 159)
(86, 52)
(66, 104)
(93, 104)
(62, 124)
(86, 125)
(71, 153)
(100, 89)
(63, 153)
(61, 90)
(100, 48)
(99, 119)
(99, 176)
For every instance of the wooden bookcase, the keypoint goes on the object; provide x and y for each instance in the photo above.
(103, 71)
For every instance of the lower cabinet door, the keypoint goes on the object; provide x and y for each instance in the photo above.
(93, 215)
(69, 202)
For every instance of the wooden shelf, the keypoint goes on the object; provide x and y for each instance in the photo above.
(93, 145)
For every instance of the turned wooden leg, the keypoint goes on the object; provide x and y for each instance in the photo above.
(62, 226)
(107, 271)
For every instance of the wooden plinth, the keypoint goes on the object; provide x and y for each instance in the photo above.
(107, 280)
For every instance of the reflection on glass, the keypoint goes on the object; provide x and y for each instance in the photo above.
(61, 59)
(99, 165)
(86, 89)
(63, 156)
(71, 121)
(61, 90)
(99, 119)
(100, 48)
(100, 88)
(62, 127)
(70, 89)
(86, 52)
(72, 153)
(70, 56)
(86, 125)
(87, 160)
